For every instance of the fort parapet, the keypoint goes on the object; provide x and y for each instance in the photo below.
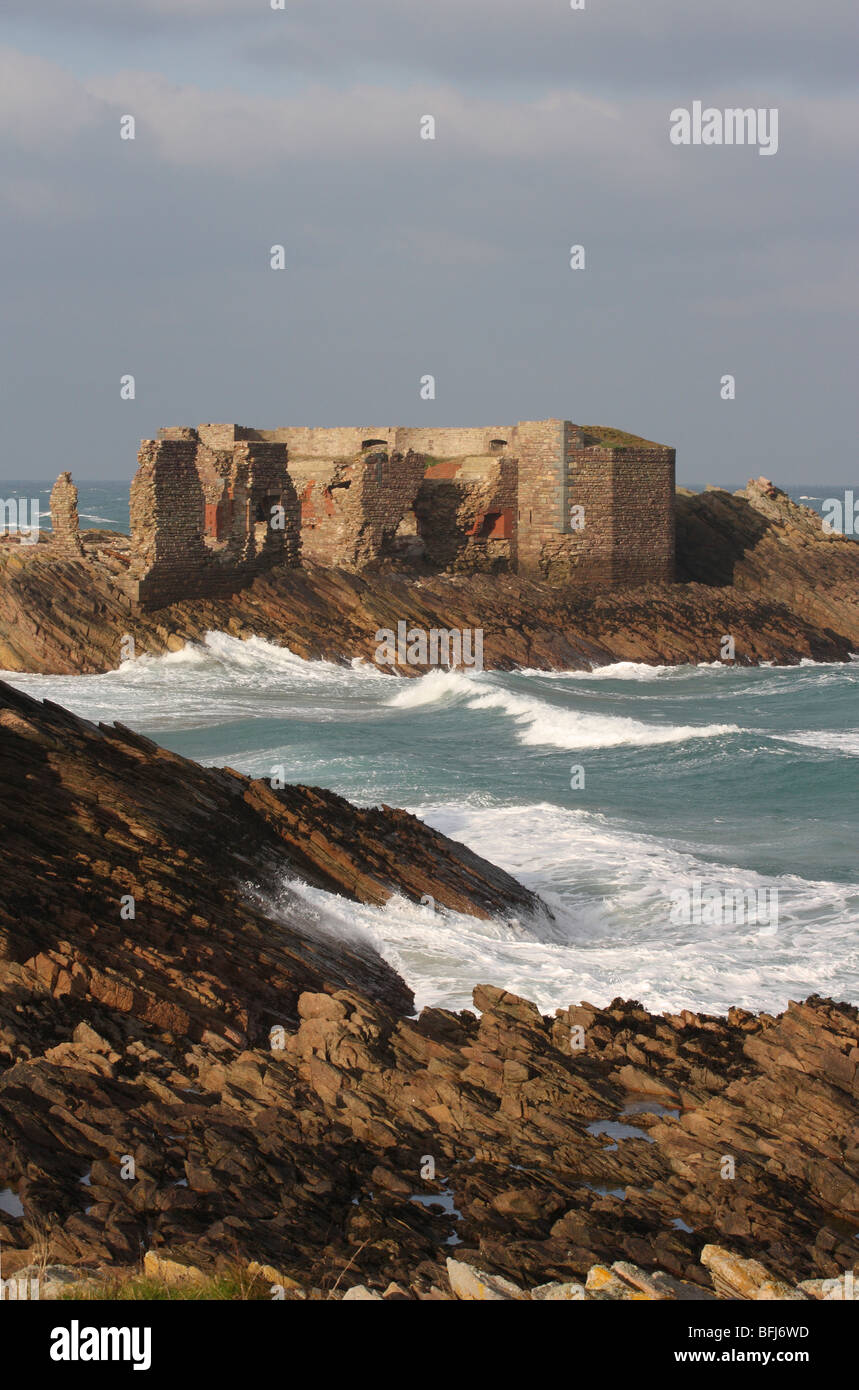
(215, 505)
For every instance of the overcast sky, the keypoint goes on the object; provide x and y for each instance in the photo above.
(407, 257)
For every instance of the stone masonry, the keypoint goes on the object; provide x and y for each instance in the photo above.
(64, 516)
(208, 517)
(215, 505)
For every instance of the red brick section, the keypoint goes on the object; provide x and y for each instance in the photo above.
(452, 507)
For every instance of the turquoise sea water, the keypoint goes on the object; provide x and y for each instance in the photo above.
(728, 779)
(724, 778)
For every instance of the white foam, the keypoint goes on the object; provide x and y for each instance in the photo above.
(550, 726)
(829, 740)
(436, 687)
(616, 671)
(220, 679)
(610, 886)
(613, 934)
(541, 723)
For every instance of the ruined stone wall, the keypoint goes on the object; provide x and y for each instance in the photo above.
(466, 514)
(201, 519)
(528, 497)
(346, 441)
(217, 436)
(338, 442)
(583, 551)
(351, 509)
(64, 516)
(447, 442)
(180, 432)
(166, 512)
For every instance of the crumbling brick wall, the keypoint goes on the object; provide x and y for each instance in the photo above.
(206, 518)
(541, 498)
(346, 441)
(352, 508)
(466, 514)
(65, 526)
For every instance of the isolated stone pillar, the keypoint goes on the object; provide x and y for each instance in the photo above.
(64, 516)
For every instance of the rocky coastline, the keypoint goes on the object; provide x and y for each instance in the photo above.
(753, 565)
(193, 1071)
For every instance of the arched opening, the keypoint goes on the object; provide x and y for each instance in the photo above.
(496, 445)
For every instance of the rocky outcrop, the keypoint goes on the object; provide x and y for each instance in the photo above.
(766, 546)
(754, 567)
(193, 1068)
(123, 842)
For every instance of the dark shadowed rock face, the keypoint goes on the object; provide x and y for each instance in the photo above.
(753, 565)
(280, 1105)
(770, 548)
(92, 818)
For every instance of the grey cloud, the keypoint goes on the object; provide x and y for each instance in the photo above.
(610, 45)
(406, 257)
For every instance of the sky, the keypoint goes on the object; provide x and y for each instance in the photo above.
(408, 257)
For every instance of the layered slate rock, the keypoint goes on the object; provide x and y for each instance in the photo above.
(137, 876)
(281, 1105)
(767, 546)
(754, 566)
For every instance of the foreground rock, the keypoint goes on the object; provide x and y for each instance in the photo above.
(754, 566)
(219, 1079)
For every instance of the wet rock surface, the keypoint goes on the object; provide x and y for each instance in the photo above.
(752, 565)
(218, 1079)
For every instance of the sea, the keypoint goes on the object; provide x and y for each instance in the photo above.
(693, 829)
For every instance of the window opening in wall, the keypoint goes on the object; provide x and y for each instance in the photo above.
(262, 519)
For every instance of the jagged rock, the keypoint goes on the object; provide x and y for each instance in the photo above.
(559, 1293)
(605, 1283)
(171, 1271)
(359, 1293)
(475, 1284)
(754, 565)
(735, 1277)
(272, 1276)
(658, 1284)
(279, 1100)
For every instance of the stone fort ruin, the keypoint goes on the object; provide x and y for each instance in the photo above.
(214, 506)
